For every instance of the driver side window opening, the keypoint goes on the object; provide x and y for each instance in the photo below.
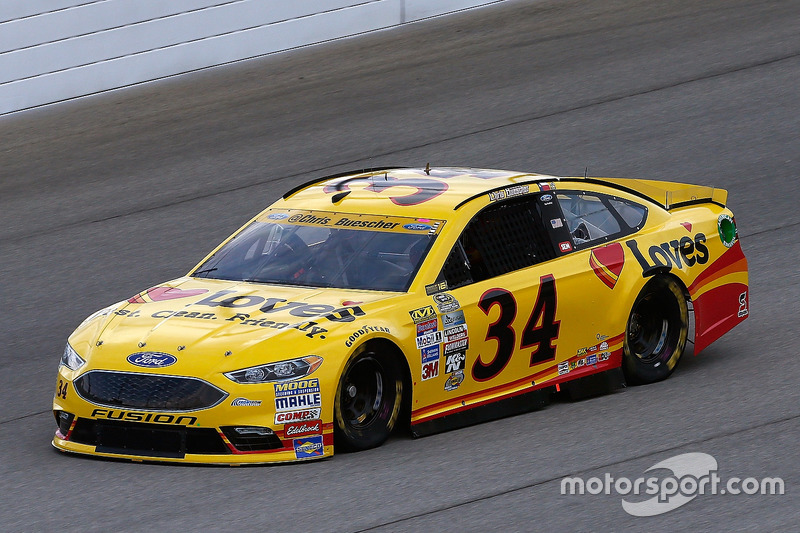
(500, 239)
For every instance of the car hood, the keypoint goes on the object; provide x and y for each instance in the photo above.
(214, 325)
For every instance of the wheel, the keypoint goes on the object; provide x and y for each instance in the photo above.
(368, 401)
(656, 333)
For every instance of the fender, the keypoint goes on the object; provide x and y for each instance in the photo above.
(720, 297)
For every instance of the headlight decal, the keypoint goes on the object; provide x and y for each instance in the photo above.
(280, 371)
(71, 359)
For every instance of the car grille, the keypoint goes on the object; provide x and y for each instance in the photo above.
(152, 392)
(251, 439)
(152, 440)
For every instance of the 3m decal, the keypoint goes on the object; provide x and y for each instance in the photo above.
(540, 333)
(422, 313)
(674, 253)
(308, 447)
(565, 246)
(430, 370)
(607, 262)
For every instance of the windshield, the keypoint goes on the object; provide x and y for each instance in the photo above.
(323, 251)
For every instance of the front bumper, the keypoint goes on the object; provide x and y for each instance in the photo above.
(242, 427)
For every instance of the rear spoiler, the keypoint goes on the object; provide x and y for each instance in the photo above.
(667, 194)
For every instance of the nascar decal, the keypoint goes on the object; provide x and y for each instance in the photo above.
(160, 294)
(446, 303)
(607, 262)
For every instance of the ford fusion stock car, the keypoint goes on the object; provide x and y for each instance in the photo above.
(423, 299)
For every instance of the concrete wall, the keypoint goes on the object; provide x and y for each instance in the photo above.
(53, 50)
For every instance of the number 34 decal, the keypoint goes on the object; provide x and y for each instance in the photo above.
(540, 331)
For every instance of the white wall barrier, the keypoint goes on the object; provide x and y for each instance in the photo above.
(54, 50)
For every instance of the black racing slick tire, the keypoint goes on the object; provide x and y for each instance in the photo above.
(368, 400)
(656, 332)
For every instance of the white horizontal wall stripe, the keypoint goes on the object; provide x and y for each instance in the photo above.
(420, 9)
(151, 35)
(105, 48)
(92, 18)
(14, 9)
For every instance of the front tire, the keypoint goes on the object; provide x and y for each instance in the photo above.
(656, 332)
(368, 401)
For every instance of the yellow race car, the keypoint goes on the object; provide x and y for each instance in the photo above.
(431, 298)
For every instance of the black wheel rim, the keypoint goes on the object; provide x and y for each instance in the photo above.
(363, 394)
(652, 333)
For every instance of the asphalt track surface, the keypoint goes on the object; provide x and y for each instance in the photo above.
(105, 196)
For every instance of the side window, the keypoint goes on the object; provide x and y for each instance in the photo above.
(593, 218)
(501, 238)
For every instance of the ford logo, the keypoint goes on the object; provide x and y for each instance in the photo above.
(152, 359)
(546, 197)
(277, 216)
(417, 227)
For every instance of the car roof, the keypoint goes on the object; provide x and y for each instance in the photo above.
(434, 192)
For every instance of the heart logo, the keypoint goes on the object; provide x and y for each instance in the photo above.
(607, 262)
(160, 294)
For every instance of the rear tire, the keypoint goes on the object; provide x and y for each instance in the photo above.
(656, 332)
(368, 400)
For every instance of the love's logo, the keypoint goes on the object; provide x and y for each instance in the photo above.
(160, 294)
(607, 262)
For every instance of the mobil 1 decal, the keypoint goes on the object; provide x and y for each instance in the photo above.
(538, 336)
(676, 252)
